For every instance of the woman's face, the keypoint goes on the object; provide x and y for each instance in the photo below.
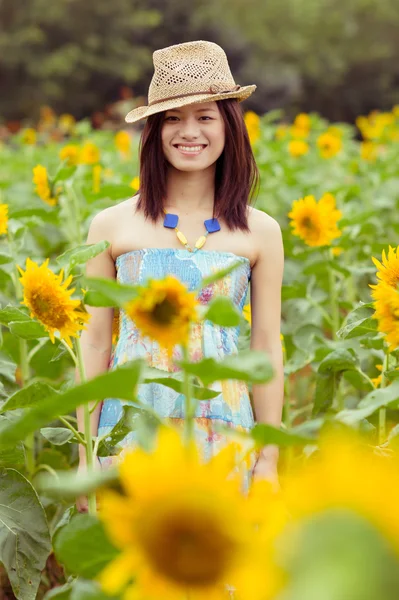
(193, 136)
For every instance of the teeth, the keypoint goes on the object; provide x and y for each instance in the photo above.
(190, 149)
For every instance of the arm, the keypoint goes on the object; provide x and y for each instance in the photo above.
(96, 340)
(266, 282)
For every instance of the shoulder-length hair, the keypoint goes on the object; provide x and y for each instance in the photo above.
(236, 176)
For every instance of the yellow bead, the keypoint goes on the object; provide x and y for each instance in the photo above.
(200, 242)
(181, 237)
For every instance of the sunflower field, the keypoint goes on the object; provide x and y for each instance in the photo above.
(161, 523)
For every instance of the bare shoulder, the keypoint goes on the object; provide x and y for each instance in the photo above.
(104, 225)
(266, 232)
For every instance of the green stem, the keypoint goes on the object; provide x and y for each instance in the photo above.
(87, 427)
(71, 352)
(382, 414)
(334, 307)
(74, 431)
(189, 420)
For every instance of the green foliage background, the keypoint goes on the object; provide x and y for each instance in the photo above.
(338, 57)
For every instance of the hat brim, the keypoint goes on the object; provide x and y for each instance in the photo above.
(145, 111)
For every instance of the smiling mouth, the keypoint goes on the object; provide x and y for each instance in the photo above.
(193, 150)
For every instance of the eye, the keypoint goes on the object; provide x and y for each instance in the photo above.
(203, 117)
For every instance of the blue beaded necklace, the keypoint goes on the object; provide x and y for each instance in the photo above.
(211, 226)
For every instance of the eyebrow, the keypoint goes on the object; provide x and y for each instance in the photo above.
(198, 110)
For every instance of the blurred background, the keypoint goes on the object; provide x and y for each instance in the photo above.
(93, 58)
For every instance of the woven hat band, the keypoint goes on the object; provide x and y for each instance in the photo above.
(214, 89)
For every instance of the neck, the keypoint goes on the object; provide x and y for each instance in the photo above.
(189, 192)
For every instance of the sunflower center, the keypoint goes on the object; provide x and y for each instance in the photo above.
(164, 312)
(187, 545)
(307, 223)
(44, 310)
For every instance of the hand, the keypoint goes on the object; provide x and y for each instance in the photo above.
(81, 501)
(266, 469)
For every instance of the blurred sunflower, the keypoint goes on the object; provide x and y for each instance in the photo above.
(115, 326)
(3, 218)
(122, 142)
(246, 311)
(89, 154)
(298, 148)
(70, 153)
(163, 311)
(368, 151)
(184, 528)
(97, 170)
(388, 270)
(43, 189)
(50, 301)
(252, 122)
(135, 183)
(29, 136)
(345, 475)
(66, 123)
(329, 144)
(386, 304)
(315, 222)
(281, 132)
(301, 126)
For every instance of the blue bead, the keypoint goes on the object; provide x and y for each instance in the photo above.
(170, 220)
(212, 225)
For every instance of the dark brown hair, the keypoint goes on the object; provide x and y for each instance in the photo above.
(236, 176)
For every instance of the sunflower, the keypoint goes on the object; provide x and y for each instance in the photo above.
(135, 183)
(29, 136)
(329, 144)
(3, 218)
(97, 170)
(252, 123)
(388, 271)
(49, 301)
(246, 311)
(368, 151)
(301, 126)
(315, 223)
(298, 148)
(115, 326)
(346, 475)
(43, 189)
(89, 154)
(387, 312)
(163, 311)
(122, 142)
(185, 529)
(70, 153)
(67, 123)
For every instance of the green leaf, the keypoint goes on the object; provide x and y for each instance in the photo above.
(24, 535)
(58, 436)
(83, 547)
(12, 313)
(27, 330)
(153, 375)
(221, 311)
(13, 457)
(68, 485)
(97, 299)
(89, 590)
(62, 592)
(31, 395)
(219, 274)
(114, 293)
(81, 254)
(388, 396)
(128, 422)
(264, 434)
(248, 365)
(5, 258)
(329, 374)
(119, 383)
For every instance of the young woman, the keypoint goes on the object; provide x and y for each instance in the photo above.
(196, 162)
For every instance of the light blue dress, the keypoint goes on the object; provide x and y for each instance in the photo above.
(232, 407)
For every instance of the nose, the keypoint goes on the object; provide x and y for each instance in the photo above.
(189, 129)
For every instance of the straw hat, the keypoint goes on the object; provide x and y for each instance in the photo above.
(186, 74)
